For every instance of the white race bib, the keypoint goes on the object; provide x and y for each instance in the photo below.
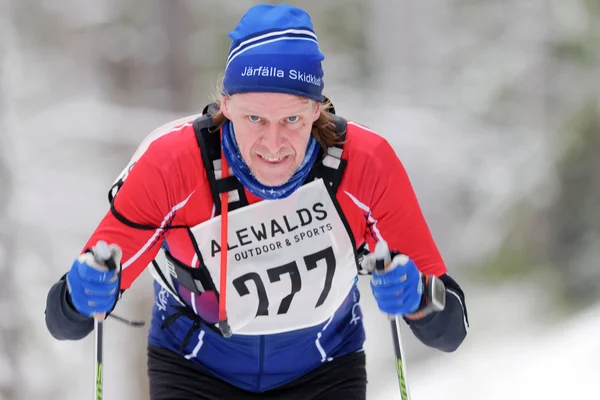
(291, 263)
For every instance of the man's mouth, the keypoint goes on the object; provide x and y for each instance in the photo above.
(273, 160)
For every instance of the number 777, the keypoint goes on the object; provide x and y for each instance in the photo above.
(311, 261)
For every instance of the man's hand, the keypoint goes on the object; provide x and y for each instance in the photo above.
(93, 281)
(399, 289)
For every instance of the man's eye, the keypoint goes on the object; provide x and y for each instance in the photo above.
(293, 119)
(254, 118)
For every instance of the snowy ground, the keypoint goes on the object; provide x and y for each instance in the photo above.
(549, 362)
(556, 365)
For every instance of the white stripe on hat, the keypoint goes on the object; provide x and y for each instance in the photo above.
(267, 42)
(271, 34)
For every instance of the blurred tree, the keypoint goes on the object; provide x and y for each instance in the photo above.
(343, 30)
(574, 245)
(565, 234)
(10, 380)
(9, 333)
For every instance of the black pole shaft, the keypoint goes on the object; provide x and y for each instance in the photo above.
(400, 366)
(99, 330)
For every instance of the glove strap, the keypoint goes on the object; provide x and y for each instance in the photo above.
(433, 299)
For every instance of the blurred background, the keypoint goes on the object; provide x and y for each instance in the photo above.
(493, 107)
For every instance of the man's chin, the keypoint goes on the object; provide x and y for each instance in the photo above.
(272, 181)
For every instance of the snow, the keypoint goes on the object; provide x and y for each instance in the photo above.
(551, 362)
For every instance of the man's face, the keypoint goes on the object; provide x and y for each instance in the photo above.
(272, 131)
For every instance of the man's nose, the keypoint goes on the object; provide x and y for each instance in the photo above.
(273, 138)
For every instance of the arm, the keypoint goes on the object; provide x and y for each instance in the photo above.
(396, 217)
(447, 329)
(144, 199)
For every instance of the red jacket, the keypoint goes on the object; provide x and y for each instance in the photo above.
(168, 185)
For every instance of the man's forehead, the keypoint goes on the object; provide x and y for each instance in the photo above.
(271, 104)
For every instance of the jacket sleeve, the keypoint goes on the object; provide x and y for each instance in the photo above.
(444, 330)
(62, 320)
(145, 199)
(396, 217)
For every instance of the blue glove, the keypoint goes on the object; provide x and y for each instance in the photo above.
(398, 290)
(94, 287)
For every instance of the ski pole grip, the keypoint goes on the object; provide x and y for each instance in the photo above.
(103, 256)
(382, 256)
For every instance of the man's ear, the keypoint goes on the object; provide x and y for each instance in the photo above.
(225, 107)
(318, 109)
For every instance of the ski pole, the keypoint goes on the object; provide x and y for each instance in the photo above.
(98, 331)
(383, 259)
(103, 256)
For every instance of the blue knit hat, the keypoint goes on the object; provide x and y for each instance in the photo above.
(274, 49)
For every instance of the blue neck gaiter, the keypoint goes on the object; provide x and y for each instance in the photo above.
(242, 171)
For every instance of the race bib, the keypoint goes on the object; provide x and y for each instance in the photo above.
(291, 262)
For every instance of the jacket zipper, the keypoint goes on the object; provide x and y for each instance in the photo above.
(261, 361)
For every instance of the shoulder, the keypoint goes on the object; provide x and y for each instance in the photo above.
(165, 174)
(168, 157)
(372, 164)
(170, 145)
(365, 147)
